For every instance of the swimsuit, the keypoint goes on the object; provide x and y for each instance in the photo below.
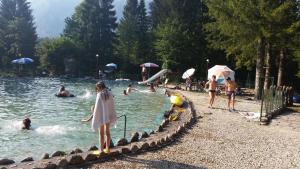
(213, 91)
(231, 94)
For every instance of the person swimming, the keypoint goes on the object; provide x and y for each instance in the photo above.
(152, 89)
(26, 124)
(130, 89)
(125, 93)
(62, 92)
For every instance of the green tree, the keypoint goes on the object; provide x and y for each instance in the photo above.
(143, 34)
(127, 30)
(18, 33)
(58, 55)
(167, 42)
(93, 24)
(160, 10)
(239, 27)
(179, 39)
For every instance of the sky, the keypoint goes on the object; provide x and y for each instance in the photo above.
(49, 15)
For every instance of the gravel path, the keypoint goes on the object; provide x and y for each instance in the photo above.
(222, 139)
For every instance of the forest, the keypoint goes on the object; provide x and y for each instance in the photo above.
(259, 39)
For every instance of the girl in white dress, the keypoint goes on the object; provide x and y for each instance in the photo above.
(104, 115)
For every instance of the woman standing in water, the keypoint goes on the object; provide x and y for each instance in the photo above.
(104, 115)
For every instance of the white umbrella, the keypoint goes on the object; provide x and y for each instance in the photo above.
(221, 72)
(188, 73)
(149, 65)
(112, 65)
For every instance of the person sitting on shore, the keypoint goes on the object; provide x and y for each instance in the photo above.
(26, 124)
(63, 92)
(152, 89)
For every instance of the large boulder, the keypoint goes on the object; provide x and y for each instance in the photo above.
(159, 129)
(45, 156)
(111, 144)
(58, 153)
(46, 165)
(75, 160)
(144, 146)
(125, 150)
(144, 135)
(27, 159)
(6, 161)
(134, 148)
(62, 163)
(134, 137)
(122, 142)
(78, 150)
(93, 148)
(90, 157)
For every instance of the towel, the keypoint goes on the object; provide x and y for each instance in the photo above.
(104, 111)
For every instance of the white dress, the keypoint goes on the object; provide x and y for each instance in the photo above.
(104, 111)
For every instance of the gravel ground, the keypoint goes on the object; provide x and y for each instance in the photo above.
(222, 139)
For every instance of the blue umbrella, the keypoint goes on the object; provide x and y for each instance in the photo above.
(112, 65)
(22, 61)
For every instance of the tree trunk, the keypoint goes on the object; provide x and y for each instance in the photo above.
(268, 66)
(259, 67)
(280, 67)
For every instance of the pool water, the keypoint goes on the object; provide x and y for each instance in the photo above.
(56, 122)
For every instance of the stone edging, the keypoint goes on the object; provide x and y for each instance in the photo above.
(267, 119)
(165, 134)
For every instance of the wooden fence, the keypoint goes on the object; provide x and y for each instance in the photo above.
(274, 101)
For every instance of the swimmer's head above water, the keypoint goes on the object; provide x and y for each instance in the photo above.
(26, 124)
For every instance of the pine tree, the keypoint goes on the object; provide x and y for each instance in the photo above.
(160, 10)
(241, 26)
(127, 35)
(18, 33)
(93, 24)
(179, 39)
(143, 48)
(238, 29)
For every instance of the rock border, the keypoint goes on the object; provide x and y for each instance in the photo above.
(167, 132)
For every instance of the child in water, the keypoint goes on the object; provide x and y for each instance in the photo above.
(152, 89)
(63, 92)
(130, 89)
(26, 124)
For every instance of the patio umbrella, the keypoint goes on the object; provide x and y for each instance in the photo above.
(149, 65)
(221, 72)
(112, 65)
(188, 73)
(22, 61)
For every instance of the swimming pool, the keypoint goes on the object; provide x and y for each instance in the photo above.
(57, 122)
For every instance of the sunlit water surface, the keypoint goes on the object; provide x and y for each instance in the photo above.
(56, 122)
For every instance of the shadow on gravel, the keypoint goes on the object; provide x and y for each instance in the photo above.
(161, 163)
